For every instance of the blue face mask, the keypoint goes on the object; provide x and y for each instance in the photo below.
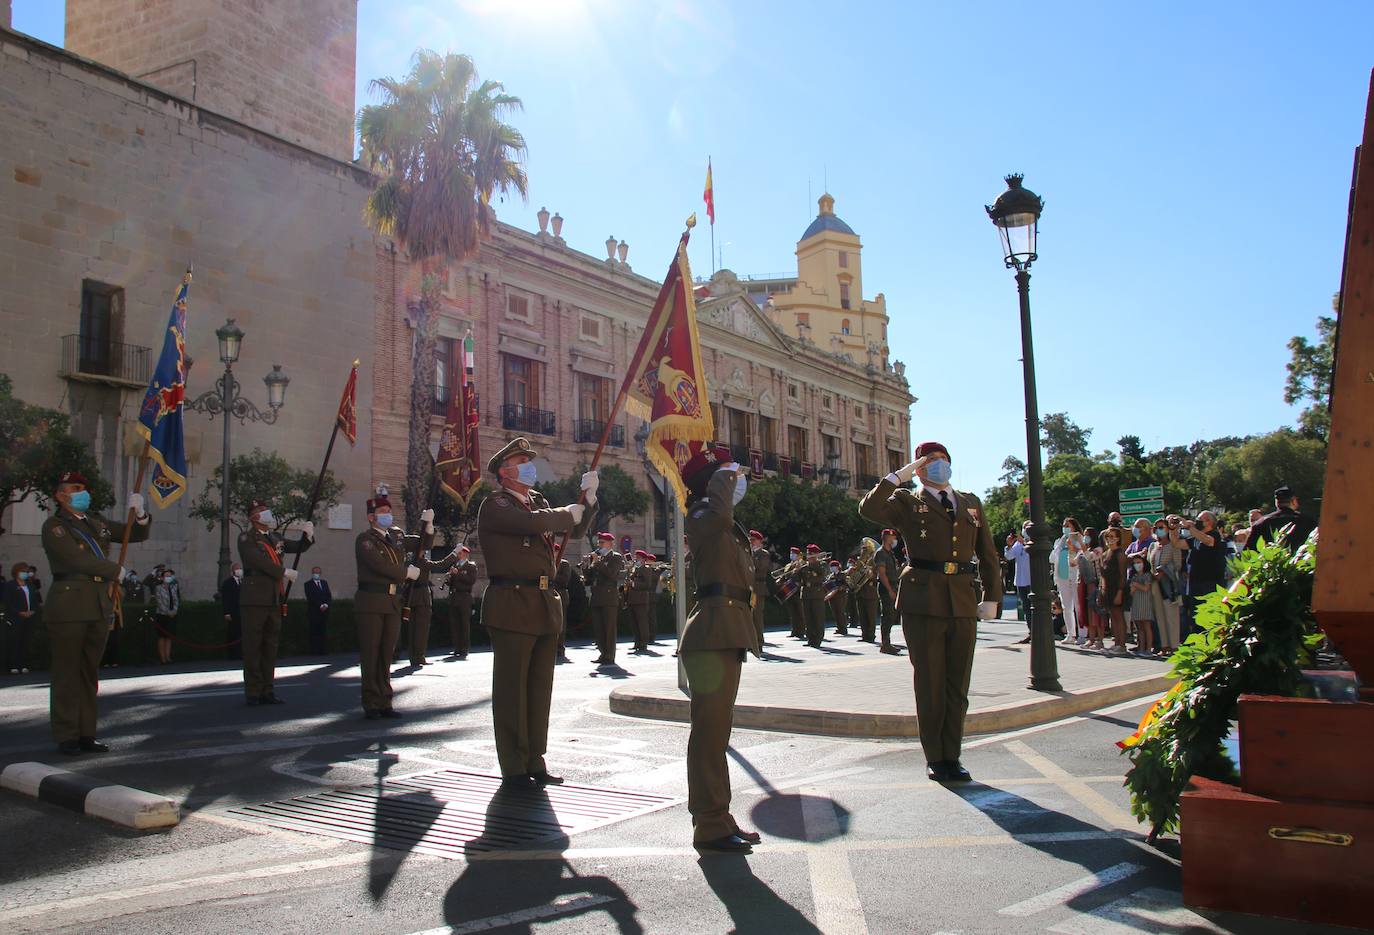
(1066, 530)
(315, 577)
(81, 501)
(1135, 533)
(385, 520)
(23, 576)
(527, 473)
(741, 486)
(170, 579)
(938, 472)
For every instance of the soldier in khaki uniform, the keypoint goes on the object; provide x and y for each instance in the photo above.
(763, 569)
(382, 571)
(461, 578)
(563, 582)
(714, 642)
(640, 599)
(521, 610)
(885, 565)
(421, 597)
(812, 577)
(260, 598)
(79, 612)
(793, 604)
(944, 530)
(603, 570)
(837, 596)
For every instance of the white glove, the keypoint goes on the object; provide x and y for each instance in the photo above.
(412, 572)
(576, 509)
(290, 574)
(324, 607)
(136, 504)
(123, 572)
(989, 610)
(591, 481)
(427, 517)
(308, 529)
(907, 472)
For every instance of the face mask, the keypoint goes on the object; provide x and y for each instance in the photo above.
(526, 473)
(795, 556)
(1161, 534)
(938, 472)
(1066, 530)
(741, 487)
(266, 518)
(170, 579)
(385, 520)
(81, 501)
(1139, 566)
(23, 576)
(238, 574)
(1135, 533)
(603, 551)
(315, 577)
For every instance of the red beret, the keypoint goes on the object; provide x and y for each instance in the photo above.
(71, 477)
(795, 548)
(889, 532)
(930, 448)
(376, 502)
(640, 553)
(702, 463)
(651, 557)
(834, 563)
(813, 548)
(606, 536)
(755, 534)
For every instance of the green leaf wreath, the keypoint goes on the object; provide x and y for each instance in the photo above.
(1253, 639)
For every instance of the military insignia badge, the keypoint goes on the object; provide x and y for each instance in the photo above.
(923, 509)
(367, 546)
(501, 501)
(973, 515)
(58, 531)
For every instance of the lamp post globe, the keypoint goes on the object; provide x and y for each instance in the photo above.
(230, 338)
(276, 387)
(1016, 213)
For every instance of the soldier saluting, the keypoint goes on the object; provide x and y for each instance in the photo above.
(79, 613)
(944, 530)
(382, 570)
(260, 598)
(521, 610)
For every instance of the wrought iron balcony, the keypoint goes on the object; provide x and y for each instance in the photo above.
(525, 419)
(740, 454)
(105, 362)
(865, 481)
(589, 431)
(795, 467)
(770, 460)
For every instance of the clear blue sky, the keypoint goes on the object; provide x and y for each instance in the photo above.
(1194, 158)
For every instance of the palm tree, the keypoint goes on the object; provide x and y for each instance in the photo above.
(441, 146)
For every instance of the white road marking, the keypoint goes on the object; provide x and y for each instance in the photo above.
(1062, 894)
(1150, 910)
(1087, 796)
(836, 897)
(557, 908)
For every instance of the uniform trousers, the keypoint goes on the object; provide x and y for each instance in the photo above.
(839, 607)
(460, 621)
(813, 612)
(941, 651)
(261, 633)
(760, 592)
(377, 635)
(713, 676)
(76, 649)
(865, 609)
(890, 616)
(521, 696)
(794, 616)
(233, 636)
(420, 618)
(319, 632)
(644, 631)
(605, 621)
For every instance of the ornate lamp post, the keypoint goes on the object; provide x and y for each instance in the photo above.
(224, 400)
(1016, 213)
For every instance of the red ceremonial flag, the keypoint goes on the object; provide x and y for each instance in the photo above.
(709, 194)
(348, 407)
(459, 473)
(667, 383)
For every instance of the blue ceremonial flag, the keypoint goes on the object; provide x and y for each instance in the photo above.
(159, 419)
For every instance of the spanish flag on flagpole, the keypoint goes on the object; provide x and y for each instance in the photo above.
(708, 194)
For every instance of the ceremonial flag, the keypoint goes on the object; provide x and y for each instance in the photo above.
(348, 407)
(459, 473)
(708, 195)
(666, 385)
(160, 416)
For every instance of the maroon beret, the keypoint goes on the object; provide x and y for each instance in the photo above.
(930, 448)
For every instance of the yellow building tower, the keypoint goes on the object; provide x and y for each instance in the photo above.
(826, 305)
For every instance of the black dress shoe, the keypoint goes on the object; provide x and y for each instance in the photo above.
(91, 745)
(253, 702)
(753, 837)
(518, 784)
(390, 712)
(937, 771)
(955, 772)
(372, 714)
(547, 779)
(462, 656)
(70, 747)
(730, 844)
(271, 699)
(890, 650)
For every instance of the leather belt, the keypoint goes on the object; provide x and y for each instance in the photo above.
(500, 581)
(944, 568)
(369, 588)
(724, 590)
(73, 577)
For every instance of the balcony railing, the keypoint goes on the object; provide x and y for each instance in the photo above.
(838, 477)
(770, 460)
(865, 481)
(740, 454)
(105, 361)
(525, 419)
(795, 467)
(589, 430)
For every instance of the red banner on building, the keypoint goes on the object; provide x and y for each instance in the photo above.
(755, 463)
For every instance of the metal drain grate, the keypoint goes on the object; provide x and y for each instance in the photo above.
(449, 813)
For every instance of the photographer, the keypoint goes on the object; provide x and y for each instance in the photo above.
(1206, 563)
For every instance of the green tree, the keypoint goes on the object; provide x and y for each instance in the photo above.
(1310, 369)
(1245, 477)
(791, 512)
(36, 445)
(457, 525)
(265, 476)
(442, 148)
(617, 496)
(1131, 448)
(1061, 435)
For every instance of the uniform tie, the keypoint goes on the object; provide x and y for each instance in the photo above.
(947, 503)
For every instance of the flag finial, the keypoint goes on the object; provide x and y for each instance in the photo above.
(692, 221)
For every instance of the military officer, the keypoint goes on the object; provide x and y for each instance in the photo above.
(714, 642)
(603, 570)
(563, 582)
(461, 578)
(79, 612)
(643, 586)
(382, 573)
(522, 610)
(421, 597)
(837, 596)
(812, 594)
(944, 530)
(885, 564)
(260, 598)
(763, 569)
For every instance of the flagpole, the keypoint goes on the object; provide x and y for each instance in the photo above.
(116, 594)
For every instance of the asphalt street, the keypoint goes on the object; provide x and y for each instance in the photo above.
(856, 839)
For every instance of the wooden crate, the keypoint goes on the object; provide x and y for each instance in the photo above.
(1301, 748)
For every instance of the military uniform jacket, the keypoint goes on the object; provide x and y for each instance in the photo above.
(87, 547)
(885, 559)
(420, 594)
(931, 536)
(562, 582)
(812, 578)
(720, 552)
(643, 583)
(263, 570)
(461, 577)
(763, 569)
(381, 565)
(603, 574)
(517, 540)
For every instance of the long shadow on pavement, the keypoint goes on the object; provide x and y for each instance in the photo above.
(752, 905)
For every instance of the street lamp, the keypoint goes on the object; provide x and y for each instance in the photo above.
(224, 400)
(1016, 213)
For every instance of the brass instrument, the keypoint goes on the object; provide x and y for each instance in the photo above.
(863, 572)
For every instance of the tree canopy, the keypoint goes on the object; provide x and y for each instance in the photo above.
(792, 512)
(617, 496)
(1310, 370)
(1060, 435)
(265, 476)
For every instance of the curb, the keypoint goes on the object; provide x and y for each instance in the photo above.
(1029, 713)
(122, 805)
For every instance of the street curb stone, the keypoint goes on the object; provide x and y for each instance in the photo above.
(132, 808)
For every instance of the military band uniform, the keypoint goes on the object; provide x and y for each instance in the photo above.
(838, 600)
(793, 604)
(812, 597)
(938, 599)
(461, 578)
(863, 604)
(563, 584)
(421, 597)
(603, 575)
(260, 606)
(885, 568)
(714, 642)
(523, 614)
(79, 613)
(643, 585)
(763, 568)
(381, 561)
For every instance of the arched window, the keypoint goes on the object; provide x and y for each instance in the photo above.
(844, 326)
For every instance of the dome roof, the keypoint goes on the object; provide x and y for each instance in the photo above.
(826, 220)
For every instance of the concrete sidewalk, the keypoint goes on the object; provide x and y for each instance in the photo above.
(849, 689)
